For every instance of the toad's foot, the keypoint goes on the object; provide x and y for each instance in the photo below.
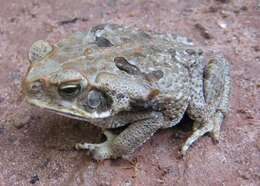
(196, 135)
(99, 151)
(215, 133)
(213, 127)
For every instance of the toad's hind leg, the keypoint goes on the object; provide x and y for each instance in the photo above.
(217, 91)
(210, 99)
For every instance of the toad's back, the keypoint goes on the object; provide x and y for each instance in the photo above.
(95, 51)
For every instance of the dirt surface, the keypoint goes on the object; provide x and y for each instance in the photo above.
(36, 146)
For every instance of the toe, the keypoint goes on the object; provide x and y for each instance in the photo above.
(215, 136)
(78, 146)
(109, 135)
(87, 146)
(184, 150)
(102, 152)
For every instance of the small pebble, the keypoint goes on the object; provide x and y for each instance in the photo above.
(222, 24)
(34, 179)
(203, 31)
(256, 48)
(2, 129)
(2, 99)
(223, 1)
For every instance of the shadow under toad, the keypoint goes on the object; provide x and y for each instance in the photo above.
(51, 131)
(54, 132)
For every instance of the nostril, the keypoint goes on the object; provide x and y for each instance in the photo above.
(36, 86)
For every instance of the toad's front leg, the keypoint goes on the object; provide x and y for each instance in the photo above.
(100, 150)
(127, 141)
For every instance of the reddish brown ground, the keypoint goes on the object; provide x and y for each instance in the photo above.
(35, 144)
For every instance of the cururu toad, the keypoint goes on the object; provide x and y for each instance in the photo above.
(113, 76)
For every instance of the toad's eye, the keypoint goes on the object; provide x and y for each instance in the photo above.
(69, 90)
(95, 99)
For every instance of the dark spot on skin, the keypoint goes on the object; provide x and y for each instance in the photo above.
(193, 52)
(189, 40)
(154, 75)
(112, 92)
(145, 35)
(139, 105)
(147, 105)
(124, 65)
(172, 52)
(157, 105)
(190, 51)
(120, 96)
(200, 52)
(98, 27)
(103, 42)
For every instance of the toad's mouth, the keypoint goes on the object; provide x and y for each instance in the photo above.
(73, 116)
(69, 110)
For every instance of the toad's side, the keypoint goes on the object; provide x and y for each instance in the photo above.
(115, 76)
